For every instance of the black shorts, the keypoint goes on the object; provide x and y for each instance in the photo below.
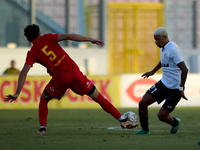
(160, 92)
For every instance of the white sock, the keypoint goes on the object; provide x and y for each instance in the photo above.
(42, 127)
(121, 118)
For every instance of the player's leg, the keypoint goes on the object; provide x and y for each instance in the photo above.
(104, 103)
(164, 114)
(143, 113)
(153, 94)
(54, 89)
(108, 107)
(84, 86)
(43, 113)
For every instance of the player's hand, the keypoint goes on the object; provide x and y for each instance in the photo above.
(183, 95)
(10, 97)
(147, 74)
(97, 42)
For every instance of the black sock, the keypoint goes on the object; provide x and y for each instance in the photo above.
(144, 124)
(42, 129)
(174, 123)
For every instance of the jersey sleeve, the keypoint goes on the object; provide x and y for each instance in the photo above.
(30, 60)
(53, 36)
(176, 55)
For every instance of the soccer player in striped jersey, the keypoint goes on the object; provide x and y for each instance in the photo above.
(170, 88)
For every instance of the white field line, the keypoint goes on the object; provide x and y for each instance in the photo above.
(166, 129)
(153, 130)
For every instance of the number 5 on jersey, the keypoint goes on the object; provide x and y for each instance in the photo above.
(51, 55)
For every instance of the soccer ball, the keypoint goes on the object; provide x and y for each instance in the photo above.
(132, 117)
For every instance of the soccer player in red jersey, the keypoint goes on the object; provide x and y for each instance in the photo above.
(64, 71)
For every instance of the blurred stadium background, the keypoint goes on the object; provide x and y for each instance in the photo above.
(127, 28)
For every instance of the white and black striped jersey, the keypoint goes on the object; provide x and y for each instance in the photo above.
(171, 56)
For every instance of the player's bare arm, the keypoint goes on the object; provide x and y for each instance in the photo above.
(184, 72)
(21, 80)
(150, 73)
(78, 38)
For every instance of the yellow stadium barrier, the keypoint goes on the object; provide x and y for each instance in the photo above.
(130, 43)
(34, 86)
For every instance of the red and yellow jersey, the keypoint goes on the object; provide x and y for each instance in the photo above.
(47, 52)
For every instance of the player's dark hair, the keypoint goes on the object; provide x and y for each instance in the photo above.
(31, 32)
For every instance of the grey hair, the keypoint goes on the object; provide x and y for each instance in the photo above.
(160, 31)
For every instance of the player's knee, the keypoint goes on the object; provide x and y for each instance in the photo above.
(146, 101)
(93, 93)
(142, 104)
(161, 117)
(45, 96)
(93, 90)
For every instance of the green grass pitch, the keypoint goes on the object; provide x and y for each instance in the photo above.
(93, 129)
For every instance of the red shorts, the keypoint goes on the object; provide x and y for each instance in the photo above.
(76, 81)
